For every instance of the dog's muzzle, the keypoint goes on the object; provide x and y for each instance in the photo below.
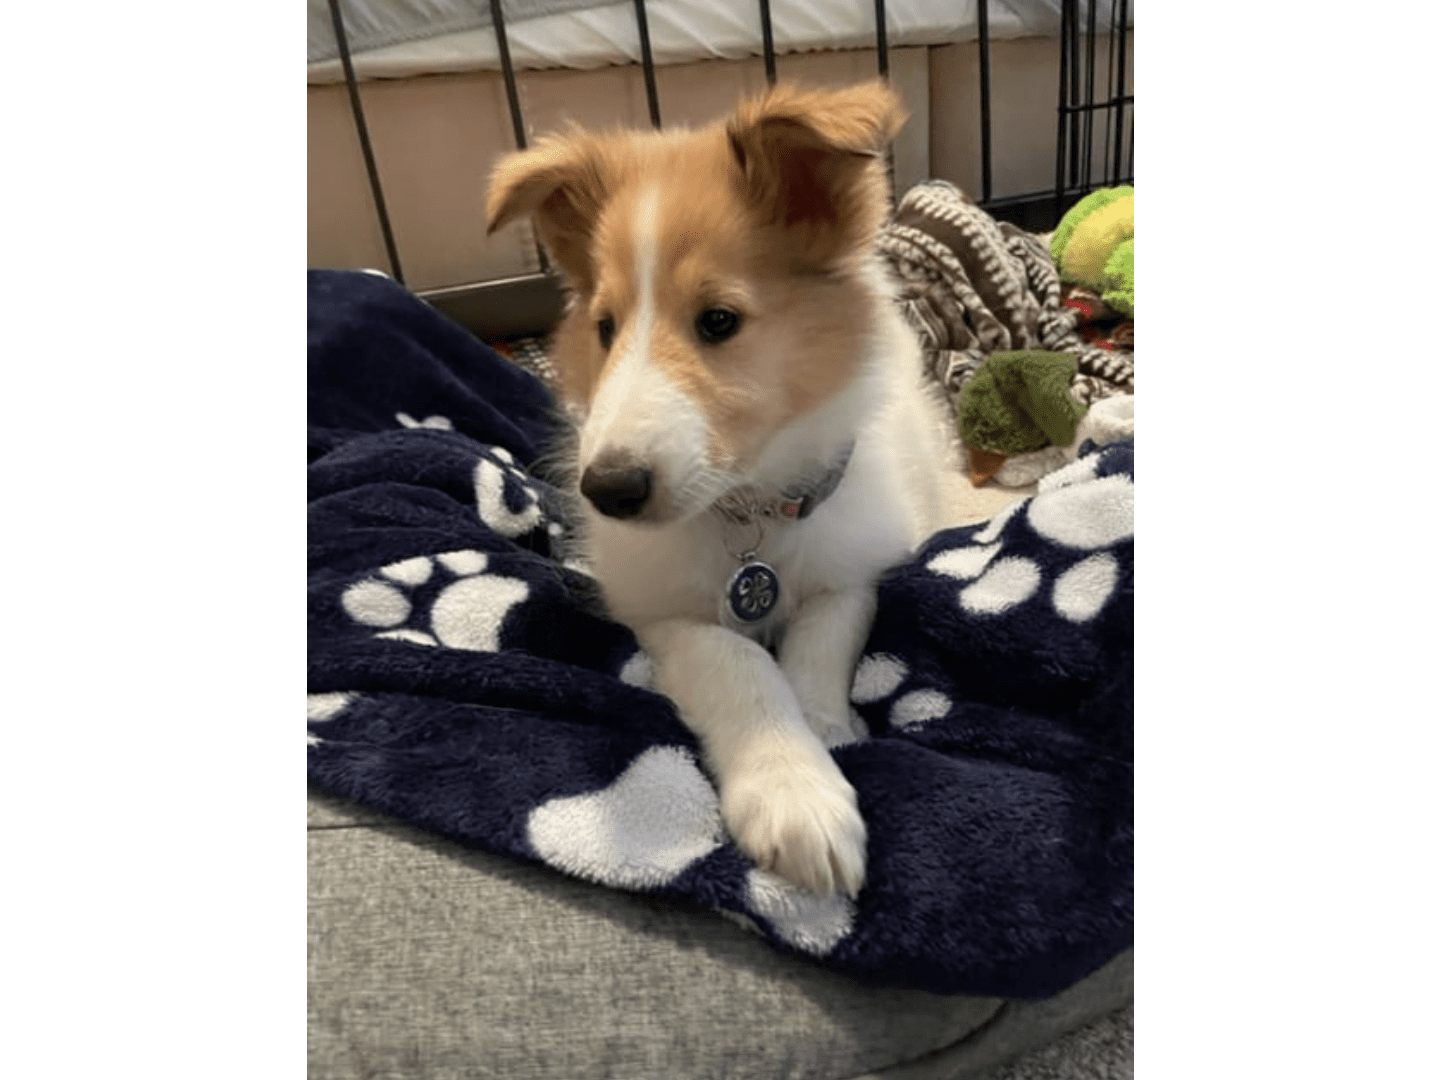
(618, 487)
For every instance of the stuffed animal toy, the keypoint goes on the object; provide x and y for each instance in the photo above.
(1020, 401)
(1015, 403)
(1094, 246)
(1019, 422)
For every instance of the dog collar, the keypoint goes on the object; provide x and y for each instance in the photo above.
(754, 590)
(794, 502)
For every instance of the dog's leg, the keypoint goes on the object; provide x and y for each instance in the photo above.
(818, 654)
(783, 798)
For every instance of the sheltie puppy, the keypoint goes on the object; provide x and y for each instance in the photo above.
(755, 441)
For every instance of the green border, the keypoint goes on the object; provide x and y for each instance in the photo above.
(1283, 853)
(153, 386)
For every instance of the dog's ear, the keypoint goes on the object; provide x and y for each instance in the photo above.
(560, 182)
(813, 160)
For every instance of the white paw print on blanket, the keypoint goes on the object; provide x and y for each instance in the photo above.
(639, 670)
(495, 466)
(467, 614)
(640, 832)
(491, 472)
(879, 675)
(437, 423)
(813, 924)
(320, 708)
(1073, 511)
(656, 819)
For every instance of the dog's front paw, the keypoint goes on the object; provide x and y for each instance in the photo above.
(789, 808)
(837, 728)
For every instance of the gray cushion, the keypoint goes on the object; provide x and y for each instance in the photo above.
(428, 959)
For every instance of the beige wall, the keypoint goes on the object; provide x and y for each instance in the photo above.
(437, 136)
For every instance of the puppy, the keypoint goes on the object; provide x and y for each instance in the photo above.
(755, 440)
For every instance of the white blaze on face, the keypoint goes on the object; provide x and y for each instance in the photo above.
(638, 409)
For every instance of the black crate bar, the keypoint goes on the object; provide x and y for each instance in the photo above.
(1089, 91)
(648, 62)
(983, 15)
(1121, 99)
(1075, 124)
(882, 59)
(1130, 155)
(357, 111)
(507, 70)
(1109, 95)
(1071, 14)
(882, 39)
(512, 96)
(1115, 93)
(1060, 116)
(767, 41)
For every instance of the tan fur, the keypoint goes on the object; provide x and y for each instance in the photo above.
(812, 165)
(563, 181)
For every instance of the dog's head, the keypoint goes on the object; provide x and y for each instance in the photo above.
(718, 278)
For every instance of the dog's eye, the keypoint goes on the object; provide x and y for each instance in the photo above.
(716, 324)
(606, 329)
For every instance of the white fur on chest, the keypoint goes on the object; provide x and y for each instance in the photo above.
(673, 576)
(869, 524)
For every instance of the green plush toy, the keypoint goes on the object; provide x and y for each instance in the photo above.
(1017, 402)
(1094, 246)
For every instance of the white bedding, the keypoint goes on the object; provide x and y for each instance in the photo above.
(680, 31)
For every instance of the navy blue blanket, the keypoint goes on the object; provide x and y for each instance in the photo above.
(463, 677)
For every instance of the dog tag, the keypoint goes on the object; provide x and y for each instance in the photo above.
(753, 592)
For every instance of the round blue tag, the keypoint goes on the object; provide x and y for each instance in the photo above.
(753, 592)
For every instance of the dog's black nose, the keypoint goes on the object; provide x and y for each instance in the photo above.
(618, 490)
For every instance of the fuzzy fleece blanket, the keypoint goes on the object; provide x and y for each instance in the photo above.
(463, 676)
